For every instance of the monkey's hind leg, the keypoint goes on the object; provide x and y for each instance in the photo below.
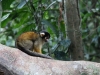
(26, 44)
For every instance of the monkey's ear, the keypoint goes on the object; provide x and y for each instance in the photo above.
(42, 34)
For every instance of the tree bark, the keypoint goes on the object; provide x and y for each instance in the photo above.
(73, 27)
(15, 62)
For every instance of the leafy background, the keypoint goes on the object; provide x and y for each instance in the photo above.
(19, 16)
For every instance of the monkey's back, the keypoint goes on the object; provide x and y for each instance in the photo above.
(28, 36)
(26, 40)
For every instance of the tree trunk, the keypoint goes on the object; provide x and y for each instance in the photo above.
(73, 27)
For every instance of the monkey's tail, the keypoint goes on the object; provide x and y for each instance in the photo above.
(32, 53)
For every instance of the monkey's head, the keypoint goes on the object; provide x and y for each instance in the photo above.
(45, 35)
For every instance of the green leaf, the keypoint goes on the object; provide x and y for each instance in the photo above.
(6, 4)
(65, 42)
(22, 20)
(62, 28)
(52, 27)
(22, 3)
(4, 20)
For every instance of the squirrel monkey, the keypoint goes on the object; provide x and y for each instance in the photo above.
(32, 42)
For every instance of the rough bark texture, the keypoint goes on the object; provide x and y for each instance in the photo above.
(73, 27)
(15, 62)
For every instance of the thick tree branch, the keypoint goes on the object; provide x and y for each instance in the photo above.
(15, 62)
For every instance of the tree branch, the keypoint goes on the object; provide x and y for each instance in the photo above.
(15, 62)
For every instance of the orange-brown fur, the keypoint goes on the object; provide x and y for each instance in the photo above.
(31, 43)
(26, 40)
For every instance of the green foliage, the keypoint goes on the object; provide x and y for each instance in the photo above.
(23, 15)
(6, 5)
(90, 14)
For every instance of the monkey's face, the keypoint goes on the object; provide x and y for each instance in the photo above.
(45, 35)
